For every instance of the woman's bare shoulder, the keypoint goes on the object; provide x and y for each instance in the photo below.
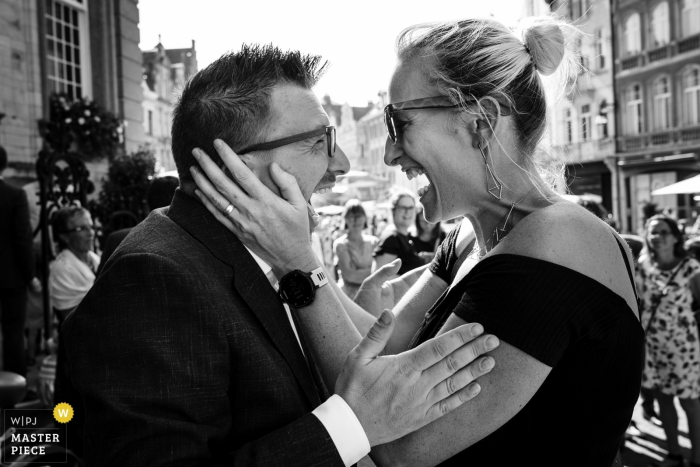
(568, 235)
(555, 232)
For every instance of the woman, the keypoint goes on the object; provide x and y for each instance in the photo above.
(428, 236)
(553, 282)
(354, 249)
(72, 273)
(668, 282)
(394, 242)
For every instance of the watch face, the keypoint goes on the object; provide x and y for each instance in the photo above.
(297, 289)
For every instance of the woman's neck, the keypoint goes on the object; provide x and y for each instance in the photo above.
(81, 255)
(426, 235)
(497, 214)
(401, 229)
(665, 259)
(354, 235)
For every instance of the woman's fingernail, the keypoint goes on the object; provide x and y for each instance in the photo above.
(474, 389)
(195, 153)
(487, 363)
(198, 193)
(218, 144)
(492, 342)
(385, 318)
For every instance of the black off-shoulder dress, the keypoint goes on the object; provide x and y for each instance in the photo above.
(584, 331)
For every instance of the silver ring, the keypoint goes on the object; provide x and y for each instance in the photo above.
(229, 209)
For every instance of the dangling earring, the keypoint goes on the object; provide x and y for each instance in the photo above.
(493, 186)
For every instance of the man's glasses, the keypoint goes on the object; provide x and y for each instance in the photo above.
(328, 130)
(436, 102)
(82, 228)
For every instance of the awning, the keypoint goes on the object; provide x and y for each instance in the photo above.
(691, 185)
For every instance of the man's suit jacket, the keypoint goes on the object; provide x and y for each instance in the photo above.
(184, 355)
(16, 247)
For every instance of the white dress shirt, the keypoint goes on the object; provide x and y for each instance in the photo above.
(335, 414)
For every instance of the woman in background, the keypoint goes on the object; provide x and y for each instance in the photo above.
(354, 249)
(428, 236)
(72, 273)
(668, 280)
(394, 242)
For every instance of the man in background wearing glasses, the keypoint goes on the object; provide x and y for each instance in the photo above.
(184, 351)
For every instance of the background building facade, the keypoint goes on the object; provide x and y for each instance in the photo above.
(583, 123)
(658, 87)
(165, 72)
(81, 48)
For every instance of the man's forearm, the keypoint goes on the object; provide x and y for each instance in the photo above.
(328, 329)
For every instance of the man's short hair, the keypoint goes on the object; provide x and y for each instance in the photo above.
(3, 159)
(229, 100)
(161, 191)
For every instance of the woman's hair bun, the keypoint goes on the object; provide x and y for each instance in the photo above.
(544, 38)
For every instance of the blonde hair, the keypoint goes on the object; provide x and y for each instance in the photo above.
(474, 58)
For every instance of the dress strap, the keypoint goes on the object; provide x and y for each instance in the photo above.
(627, 265)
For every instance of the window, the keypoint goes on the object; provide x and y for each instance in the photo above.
(568, 127)
(600, 58)
(691, 96)
(691, 17)
(602, 120)
(586, 123)
(150, 122)
(662, 104)
(67, 48)
(660, 33)
(633, 37)
(634, 110)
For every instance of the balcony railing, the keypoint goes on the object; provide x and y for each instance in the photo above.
(675, 48)
(586, 151)
(658, 54)
(688, 44)
(676, 137)
(632, 62)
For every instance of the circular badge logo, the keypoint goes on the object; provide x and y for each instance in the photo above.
(63, 413)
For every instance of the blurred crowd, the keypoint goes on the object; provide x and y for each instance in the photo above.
(355, 243)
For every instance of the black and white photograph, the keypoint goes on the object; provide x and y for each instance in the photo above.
(334, 234)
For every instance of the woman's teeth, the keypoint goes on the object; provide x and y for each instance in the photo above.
(414, 172)
(423, 190)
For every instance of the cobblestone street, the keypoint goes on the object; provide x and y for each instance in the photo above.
(646, 443)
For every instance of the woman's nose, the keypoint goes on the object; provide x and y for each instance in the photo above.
(391, 153)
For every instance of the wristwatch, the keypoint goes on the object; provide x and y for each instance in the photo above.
(298, 288)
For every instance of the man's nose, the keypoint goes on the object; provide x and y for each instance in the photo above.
(391, 153)
(339, 163)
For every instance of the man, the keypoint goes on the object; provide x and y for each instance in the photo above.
(184, 352)
(16, 270)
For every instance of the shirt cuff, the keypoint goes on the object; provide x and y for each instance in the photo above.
(344, 428)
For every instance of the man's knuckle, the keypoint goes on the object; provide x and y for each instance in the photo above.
(439, 349)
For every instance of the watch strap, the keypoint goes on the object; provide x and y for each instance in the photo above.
(319, 278)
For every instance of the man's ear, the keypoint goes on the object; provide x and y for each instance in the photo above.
(486, 123)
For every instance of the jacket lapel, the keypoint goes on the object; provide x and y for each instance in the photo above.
(248, 280)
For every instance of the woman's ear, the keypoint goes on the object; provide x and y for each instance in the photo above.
(486, 123)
